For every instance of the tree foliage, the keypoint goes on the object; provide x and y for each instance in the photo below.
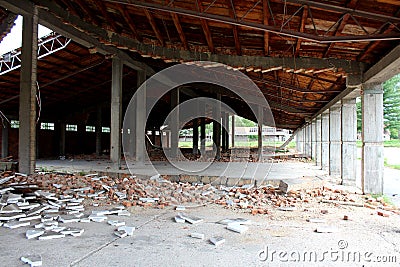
(391, 107)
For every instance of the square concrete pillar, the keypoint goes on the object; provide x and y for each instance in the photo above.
(140, 120)
(318, 141)
(195, 146)
(335, 143)
(175, 123)
(233, 131)
(308, 140)
(325, 141)
(4, 140)
(98, 130)
(313, 139)
(260, 132)
(27, 96)
(116, 110)
(203, 137)
(372, 137)
(299, 140)
(349, 138)
(217, 127)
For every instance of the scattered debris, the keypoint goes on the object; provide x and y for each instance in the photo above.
(32, 260)
(51, 235)
(179, 219)
(235, 227)
(190, 219)
(316, 220)
(326, 229)
(197, 235)
(217, 240)
(116, 223)
(33, 233)
(240, 221)
(346, 217)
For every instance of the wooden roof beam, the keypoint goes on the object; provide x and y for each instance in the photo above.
(127, 17)
(232, 14)
(106, 15)
(301, 29)
(265, 22)
(70, 7)
(154, 26)
(205, 27)
(178, 26)
(88, 12)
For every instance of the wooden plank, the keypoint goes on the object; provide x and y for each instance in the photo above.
(232, 14)
(106, 15)
(179, 29)
(89, 12)
(127, 17)
(265, 21)
(154, 26)
(206, 29)
(301, 29)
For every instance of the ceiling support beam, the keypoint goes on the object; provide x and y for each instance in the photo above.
(206, 30)
(55, 21)
(266, 23)
(154, 26)
(127, 17)
(301, 29)
(178, 26)
(106, 15)
(232, 14)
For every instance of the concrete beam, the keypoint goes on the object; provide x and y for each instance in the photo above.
(372, 136)
(335, 143)
(116, 112)
(349, 138)
(56, 21)
(27, 99)
(385, 68)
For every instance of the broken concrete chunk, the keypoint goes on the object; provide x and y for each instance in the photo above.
(180, 208)
(237, 221)
(98, 218)
(116, 223)
(190, 219)
(179, 219)
(217, 240)
(72, 231)
(11, 216)
(32, 260)
(36, 210)
(51, 235)
(316, 220)
(326, 229)
(120, 195)
(68, 219)
(11, 208)
(121, 234)
(235, 227)
(30, 218)
(128, 229)
(149, 199)
(124, 213)
(13, 198)
(33, 233)
(300, 183)
(16, 224)
(84, 220)
(197, 235)
(29, 206)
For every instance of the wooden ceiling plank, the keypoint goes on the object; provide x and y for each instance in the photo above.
(70, 7)
(154, 26)
(127, 17)
(88, 12)
(206, 29)
(301, 29)
(179, 29)
(372, 45)
(106, 15)
(265, 22)
(232, 14)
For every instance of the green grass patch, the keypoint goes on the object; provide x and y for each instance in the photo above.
(393, 166)
(386, 198)
(388, 143)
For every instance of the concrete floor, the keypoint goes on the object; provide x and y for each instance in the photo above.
(159, 241)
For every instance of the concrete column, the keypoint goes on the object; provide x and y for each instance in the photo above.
(4, 140)
(223, 131)
(299, 138)
(233, 132)
(307, 145)
(195, 137)
(260, 132)
(335, 144)
(175, 123)
(217, 127)
(140, 120)
(27, 96)
(116, 110)
(62, 128)
(318, 140)
(313, 139)
(98, 130)
(372, 137)
(202, 135)
(349, 138)
(227, 131)
(325, 141)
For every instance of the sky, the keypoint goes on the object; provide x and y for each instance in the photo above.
(13, 40)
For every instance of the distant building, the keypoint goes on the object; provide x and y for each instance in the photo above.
(269, 133)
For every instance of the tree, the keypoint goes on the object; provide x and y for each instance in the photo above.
(242, 122)
(391, 105)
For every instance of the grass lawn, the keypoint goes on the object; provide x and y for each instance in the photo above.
(389, 143)
(393, 166)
